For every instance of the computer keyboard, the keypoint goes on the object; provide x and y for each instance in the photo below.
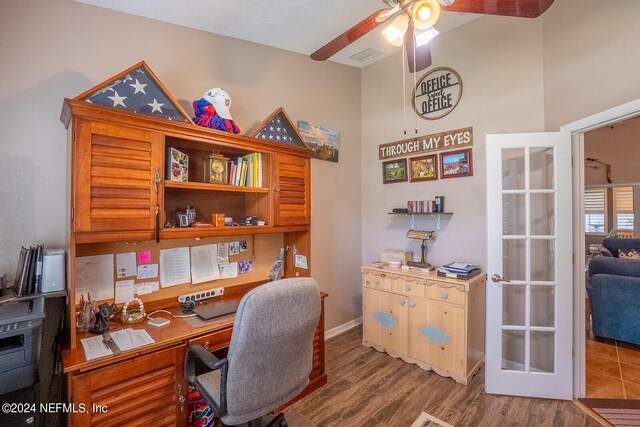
(215, 309)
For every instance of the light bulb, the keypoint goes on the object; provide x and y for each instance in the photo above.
(394, 33)
(425, 14)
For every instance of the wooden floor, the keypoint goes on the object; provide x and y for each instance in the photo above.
(368, 388)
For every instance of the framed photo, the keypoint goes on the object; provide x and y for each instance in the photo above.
(424, 168)
(394, 171)
(456, 163)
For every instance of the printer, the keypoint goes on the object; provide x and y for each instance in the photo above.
(20, 339)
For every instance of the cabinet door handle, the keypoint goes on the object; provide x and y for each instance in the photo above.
(157, 180)
(407, 288)
(412, 303)
(445, 295)
(181, 398)
(276, 190)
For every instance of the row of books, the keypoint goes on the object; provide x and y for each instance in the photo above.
(29, 274)
(246, 170)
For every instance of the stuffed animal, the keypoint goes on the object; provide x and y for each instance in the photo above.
(212, 111)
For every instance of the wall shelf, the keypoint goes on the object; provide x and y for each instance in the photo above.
(435, 215)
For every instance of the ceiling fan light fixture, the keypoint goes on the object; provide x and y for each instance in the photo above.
(425, 13)
(394, 33)
(424, 37)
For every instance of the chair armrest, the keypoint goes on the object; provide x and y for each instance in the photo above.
(207, 358)
(614, 266)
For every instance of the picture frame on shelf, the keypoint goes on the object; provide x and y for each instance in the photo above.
(454, 164)
(394, 171)
(423, 168)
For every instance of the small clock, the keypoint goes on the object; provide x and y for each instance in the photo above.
(215, 169)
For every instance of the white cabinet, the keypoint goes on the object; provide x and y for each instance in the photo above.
(434, 322)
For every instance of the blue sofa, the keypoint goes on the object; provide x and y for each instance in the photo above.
(613, 287)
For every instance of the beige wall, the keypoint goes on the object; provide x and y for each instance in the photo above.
(618, 146)
(56, 49)
(500, 63)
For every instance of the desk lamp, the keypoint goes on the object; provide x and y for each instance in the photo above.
(424, 236)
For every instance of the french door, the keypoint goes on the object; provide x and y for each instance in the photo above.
(529, 291)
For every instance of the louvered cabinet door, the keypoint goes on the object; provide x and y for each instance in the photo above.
(145, 391)
(292, 190)
(115, 187)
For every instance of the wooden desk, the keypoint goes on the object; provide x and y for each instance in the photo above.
(147, 385)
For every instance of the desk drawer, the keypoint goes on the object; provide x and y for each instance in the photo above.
(213, 341)
(409, 286)
(377, 279)
(442, 292)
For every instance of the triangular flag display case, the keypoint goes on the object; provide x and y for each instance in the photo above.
(139, 90)
(278, 127)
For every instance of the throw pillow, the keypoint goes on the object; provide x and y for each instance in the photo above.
(631, 253)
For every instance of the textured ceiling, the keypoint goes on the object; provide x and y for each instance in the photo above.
(300, 26)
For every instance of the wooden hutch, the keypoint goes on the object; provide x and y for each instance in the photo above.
(117, 188)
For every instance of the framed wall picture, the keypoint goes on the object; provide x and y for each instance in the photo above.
(394, 171)
(423, 168)
(456, 163)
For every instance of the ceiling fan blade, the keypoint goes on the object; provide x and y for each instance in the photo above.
(422, 59)
(349, 36)
(520, 8)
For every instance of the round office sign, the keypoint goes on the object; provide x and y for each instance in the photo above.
(437, 93)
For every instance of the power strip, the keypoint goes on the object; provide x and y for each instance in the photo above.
(200, 295)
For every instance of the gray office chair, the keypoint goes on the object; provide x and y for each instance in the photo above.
(270, 355)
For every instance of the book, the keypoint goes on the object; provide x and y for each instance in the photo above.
(459, 276)
(31, 278)
(22, 259)
(177, 165)
(460, 267)
(21, 282)
(417, 269)
(38, 278)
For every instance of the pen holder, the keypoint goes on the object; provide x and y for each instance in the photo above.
(86, 316)
(133, 315)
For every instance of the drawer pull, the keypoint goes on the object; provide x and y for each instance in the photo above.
(407, 288)
(412, 303)
(206, 345)
(383, 275)
(444, 295)
(377, 282)
(402, 301)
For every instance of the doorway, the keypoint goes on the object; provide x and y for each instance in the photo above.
(613, 117)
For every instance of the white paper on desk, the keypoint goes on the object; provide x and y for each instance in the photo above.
(129, 338)
(126, 265)
(94, 348)
(228, 271)
(174, 267)
(94, 275)
(124, 291)
(204, 263)
(223, 252)
(147, 271)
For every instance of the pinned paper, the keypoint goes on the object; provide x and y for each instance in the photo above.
(301, 261)
(204, 263)
(94, 276)
(228, 271)
(144, 288)
(124, 291)
(245, 266)
(126, 264)
(144, 257)
(175, 267)
(223, 252)
(234, 248)
(243, 245)
(148, 271)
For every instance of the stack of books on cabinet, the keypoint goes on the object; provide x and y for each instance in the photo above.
(459, 270)
(246, 171)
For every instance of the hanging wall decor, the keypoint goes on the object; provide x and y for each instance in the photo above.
(278, 127)
(437, 93)
(324, 142)
(458, 163)
(394, 171)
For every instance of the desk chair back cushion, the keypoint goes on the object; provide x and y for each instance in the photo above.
(271, 352)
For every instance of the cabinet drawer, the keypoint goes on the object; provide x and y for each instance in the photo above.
(214, 341)
(438, 292)
(409, 286)
(376, 280)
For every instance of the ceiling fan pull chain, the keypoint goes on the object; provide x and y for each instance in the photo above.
(404, 90)
(415, 116)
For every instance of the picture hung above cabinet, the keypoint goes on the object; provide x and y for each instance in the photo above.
(324, 142)
(139, 90)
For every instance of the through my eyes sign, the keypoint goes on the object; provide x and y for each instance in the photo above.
(457, 138)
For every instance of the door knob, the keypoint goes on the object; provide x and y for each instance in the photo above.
(497, 278)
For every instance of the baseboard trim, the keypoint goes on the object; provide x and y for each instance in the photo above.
(333, 332)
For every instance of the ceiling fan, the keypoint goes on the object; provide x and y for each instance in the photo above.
(413, 20)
